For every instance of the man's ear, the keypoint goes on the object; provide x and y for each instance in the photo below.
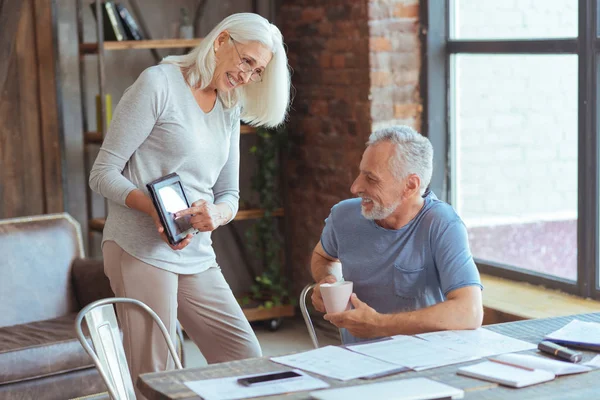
(222, 38)
(413, 185)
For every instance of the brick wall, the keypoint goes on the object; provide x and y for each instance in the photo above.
(395, 61)
(356, 66)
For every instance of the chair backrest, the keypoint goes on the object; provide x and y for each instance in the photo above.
(109, 356)
(306, 315)
(35, 270)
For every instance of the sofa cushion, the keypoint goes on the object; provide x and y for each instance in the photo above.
(39, 349)
(84, 384)
(35, 270)
(89, 282)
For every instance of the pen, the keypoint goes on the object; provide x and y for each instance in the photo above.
(560, 351)
(510, 364)
(386, 373)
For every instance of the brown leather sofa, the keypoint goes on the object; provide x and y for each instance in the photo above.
(44, 281)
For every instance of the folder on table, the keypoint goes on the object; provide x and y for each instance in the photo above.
(403, 389)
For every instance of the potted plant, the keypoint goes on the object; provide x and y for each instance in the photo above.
(269, 297)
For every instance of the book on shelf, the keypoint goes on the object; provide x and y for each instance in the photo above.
(113, 27)
(131, 27)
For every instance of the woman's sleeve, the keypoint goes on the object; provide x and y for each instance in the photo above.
(227, 186)
(133, 120)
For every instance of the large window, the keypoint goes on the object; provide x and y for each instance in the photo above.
(511, 110)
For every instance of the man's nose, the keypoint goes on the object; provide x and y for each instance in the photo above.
(355, 188)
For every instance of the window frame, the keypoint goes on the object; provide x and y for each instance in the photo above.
(438, 49)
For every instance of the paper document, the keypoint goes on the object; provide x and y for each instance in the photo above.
(335, 362)
(547, 364)
(403, 389)
(411, 352)
(576, 332)
(230, 389)
(594, 362)
(479, 342)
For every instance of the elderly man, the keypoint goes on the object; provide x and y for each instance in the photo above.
(406, 251)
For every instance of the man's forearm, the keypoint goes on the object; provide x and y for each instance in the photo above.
(320, 266)
(449, 315)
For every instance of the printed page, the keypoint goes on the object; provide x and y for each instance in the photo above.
(402, 389)
(479, 342)
(230, 389)
(335, 362)
(411, 352)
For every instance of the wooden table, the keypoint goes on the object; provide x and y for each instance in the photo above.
(169, 385)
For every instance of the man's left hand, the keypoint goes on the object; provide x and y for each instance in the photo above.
(361, 322)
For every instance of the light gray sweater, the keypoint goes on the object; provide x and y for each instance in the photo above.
(158, 128)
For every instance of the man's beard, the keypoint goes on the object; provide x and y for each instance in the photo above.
(378, 211)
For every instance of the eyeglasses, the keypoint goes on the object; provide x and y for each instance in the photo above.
(246, 67)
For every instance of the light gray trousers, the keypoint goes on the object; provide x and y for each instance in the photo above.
(203, 303)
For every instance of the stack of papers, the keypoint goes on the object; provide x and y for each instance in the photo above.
(336, 362)
(578, 334)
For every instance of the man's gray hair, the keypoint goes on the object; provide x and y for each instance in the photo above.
(414, 153)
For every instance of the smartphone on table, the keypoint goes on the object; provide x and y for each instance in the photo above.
(272, 377)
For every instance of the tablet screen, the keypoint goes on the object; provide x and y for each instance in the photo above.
(173, 199)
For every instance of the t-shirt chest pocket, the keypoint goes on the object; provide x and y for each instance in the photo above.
(409, 277)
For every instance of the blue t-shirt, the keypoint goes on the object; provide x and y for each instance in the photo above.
(407, 269)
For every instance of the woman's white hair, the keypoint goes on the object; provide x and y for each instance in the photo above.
(263, 103)
(414, 152)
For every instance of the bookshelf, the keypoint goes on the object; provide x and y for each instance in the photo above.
(97, 224)
(96, 137)
(92, 48)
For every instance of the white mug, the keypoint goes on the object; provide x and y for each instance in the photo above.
(336, 296)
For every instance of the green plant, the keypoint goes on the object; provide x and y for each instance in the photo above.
(264, 239)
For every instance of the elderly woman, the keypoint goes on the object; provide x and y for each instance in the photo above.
(184, 116)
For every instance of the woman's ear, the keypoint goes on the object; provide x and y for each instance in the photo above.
(222, 38)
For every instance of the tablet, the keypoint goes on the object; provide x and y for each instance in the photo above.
(169, 197)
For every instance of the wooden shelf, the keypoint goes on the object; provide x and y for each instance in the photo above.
(260, 314)
(97, 224)
(92, 48)
(93, 137)
(256, 213)
(96, 137)
(247, 129)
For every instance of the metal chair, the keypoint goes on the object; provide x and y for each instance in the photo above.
(306, 315)
(109, 357)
